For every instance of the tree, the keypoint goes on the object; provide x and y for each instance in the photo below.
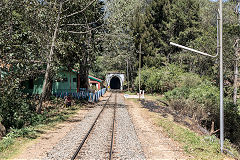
(166, 21)
(118, 42)
(75, 27)
(49, 60)
(24, 32)
(237, 56)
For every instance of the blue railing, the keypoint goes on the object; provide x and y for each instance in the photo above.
(82, 94)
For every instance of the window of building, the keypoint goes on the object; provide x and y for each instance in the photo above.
(65, 79)
(74, 79)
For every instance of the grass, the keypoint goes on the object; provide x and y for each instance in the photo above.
(195, 145)
(16, 139)
(154, 97)
(15, 148)
(130, 93)
(200, 147)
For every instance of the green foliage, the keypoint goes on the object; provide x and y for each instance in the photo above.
(5, 143)
(37, 123)
(10, 138)
(80, 47)
(200, 147)
(118, 43)
(189, 80)
(232, 122)
(162, 22)
(160, 80)
(27, 132)
(14, 110)
(178, 93)
(26, 30)
(191, 95)
(202, 103)
(24, 39)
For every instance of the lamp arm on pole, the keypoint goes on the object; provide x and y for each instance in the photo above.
(193, 50)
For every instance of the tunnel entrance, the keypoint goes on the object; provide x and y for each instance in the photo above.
(115, 83)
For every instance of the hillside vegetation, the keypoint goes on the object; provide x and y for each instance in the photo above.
(193, 96)
(40, 38)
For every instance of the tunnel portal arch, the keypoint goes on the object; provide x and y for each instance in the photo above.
(115, 81)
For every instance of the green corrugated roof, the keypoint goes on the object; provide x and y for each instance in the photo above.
(94, 78)
(91, 77)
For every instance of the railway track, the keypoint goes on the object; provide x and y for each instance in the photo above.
(113, 129)
(81, 150)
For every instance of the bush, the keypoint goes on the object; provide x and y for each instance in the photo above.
(15, 110)
(160, 80)
(206, 99)
(202, 103)
(191, 95)
(189, 80)
(178, 93)
(231, 122)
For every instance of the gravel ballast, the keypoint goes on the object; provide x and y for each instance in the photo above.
(97, 146)
(127, 145)
(67, 146)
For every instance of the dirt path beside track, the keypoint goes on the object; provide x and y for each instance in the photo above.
(39, 147)
(155, 143)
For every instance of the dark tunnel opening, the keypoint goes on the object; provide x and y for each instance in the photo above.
(115, 83)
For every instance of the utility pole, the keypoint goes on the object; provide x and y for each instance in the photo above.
(221, 76)
(220, 47)
(140, 69)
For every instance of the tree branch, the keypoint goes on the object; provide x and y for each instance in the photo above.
(79, 11)
(82, 32)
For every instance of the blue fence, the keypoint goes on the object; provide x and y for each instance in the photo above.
(82, 94)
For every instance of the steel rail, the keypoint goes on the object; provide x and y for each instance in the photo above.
(113, 128)
(86, 136)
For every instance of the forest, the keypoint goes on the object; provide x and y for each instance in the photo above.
(42, 37)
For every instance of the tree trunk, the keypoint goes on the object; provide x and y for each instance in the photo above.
(235, 84)
(84, 83)
(78, 82)
(48, 69)
(2, 130)
(70, 81)
(49, 89)
(0, 74)
(131, 77)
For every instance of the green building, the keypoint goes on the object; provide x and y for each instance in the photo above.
(67, 82)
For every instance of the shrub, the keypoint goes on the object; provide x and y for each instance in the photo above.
(160, 80)
(206, 99)
(191, 95)
(189, 80)
(178, 93)
(231, 121)
(202, 103)
(15, 110)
